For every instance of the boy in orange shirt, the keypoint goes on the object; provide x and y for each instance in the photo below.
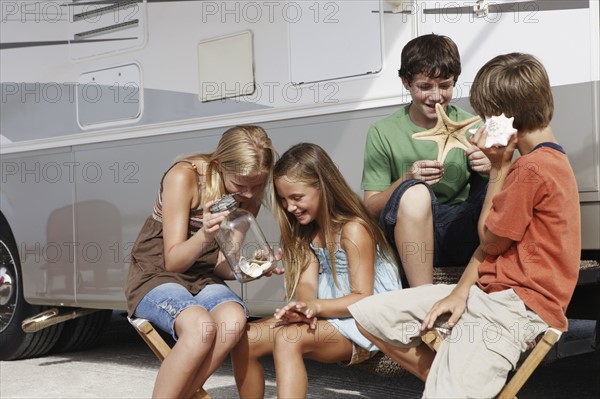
(521, 278)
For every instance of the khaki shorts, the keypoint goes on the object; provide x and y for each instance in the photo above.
(474, 360)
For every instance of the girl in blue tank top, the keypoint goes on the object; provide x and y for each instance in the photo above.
(334, 254)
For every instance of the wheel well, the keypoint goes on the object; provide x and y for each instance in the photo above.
(8, 234)
(5, 228)
(4, 224)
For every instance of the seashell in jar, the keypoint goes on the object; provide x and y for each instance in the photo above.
(252, 269)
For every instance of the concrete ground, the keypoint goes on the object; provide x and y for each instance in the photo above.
(124, 367)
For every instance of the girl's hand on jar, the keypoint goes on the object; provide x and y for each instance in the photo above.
(276, 270)
(211, 222)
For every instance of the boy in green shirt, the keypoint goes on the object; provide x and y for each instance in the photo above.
(428, 206)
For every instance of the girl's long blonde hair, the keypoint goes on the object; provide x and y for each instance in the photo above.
(243, 150)
(308, 163)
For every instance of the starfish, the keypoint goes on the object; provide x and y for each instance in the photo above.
(447, 133)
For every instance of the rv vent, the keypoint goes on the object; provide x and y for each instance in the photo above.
(88, 14)
(107, 29)
(98, 28)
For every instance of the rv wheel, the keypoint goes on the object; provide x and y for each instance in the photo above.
(14, 342)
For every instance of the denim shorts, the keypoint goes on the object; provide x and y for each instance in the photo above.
(454, 226)
(162, 305)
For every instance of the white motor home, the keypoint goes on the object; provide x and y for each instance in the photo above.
(99, 97)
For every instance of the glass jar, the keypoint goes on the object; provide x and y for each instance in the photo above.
(242, 242)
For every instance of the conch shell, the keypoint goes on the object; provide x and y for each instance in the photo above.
(499, 129)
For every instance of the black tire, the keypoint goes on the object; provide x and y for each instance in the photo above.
(14, 342)
(82, 333)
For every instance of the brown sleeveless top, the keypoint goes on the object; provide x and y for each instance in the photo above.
(147, 270)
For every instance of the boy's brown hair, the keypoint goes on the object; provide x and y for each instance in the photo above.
(433, 55)
(517, 85)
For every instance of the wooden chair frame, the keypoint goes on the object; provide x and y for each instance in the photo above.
(158, 345)
(433, 338)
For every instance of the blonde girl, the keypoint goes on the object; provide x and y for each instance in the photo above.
(176, 275)
(334, 255)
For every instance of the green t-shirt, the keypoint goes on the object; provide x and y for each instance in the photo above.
(390, 151)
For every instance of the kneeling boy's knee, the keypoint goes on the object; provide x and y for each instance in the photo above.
(415, 202)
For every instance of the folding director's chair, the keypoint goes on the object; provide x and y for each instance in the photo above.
(433, 338)
(158, 345)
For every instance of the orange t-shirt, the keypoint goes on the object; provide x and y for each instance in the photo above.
(537, 208)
